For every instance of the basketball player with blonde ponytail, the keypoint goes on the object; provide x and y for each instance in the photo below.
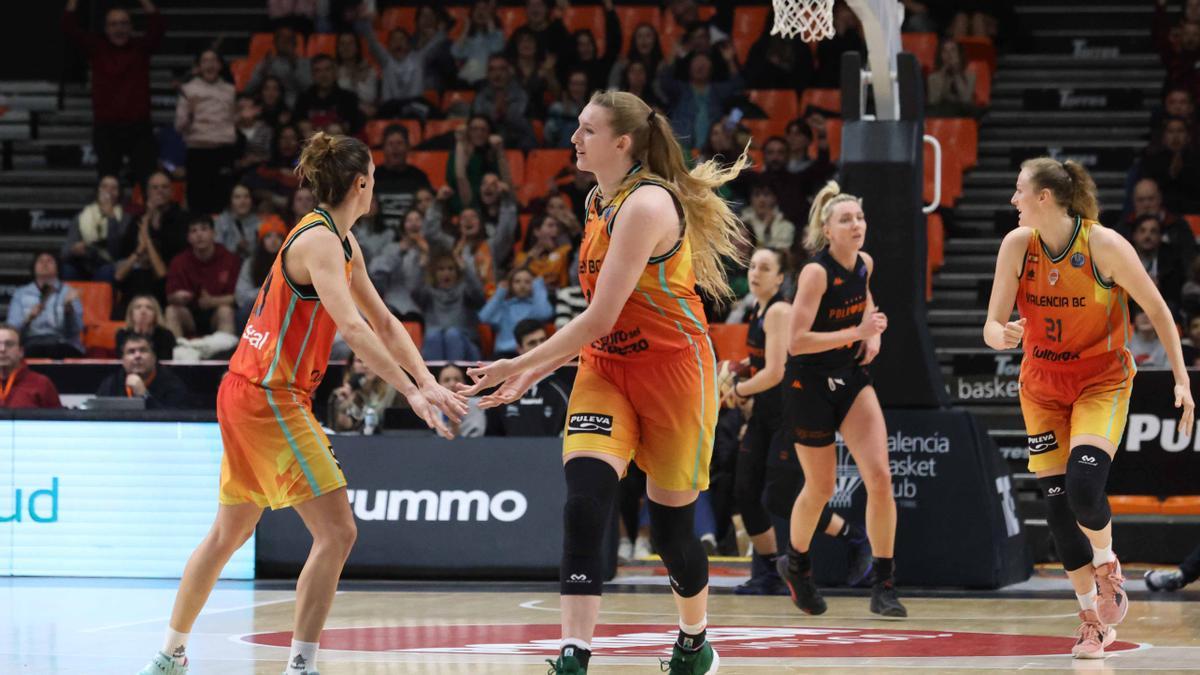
(1072, 279)
(646, 389)
(835, 333)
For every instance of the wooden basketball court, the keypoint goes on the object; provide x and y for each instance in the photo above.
(114, 626)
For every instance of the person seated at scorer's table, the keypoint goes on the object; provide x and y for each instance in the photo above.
(140, 375)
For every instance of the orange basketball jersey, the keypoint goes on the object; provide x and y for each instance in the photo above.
(664, 313)
(287, 339)
(1072, 312)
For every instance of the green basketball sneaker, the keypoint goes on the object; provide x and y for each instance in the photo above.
(701, 662)
(164, 665)
(566, 665)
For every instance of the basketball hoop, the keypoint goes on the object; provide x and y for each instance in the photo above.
(812, 20)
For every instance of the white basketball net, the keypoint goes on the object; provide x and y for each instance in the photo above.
(812, 20)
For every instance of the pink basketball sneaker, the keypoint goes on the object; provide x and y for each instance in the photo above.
(1111, 602)
(1092, 636)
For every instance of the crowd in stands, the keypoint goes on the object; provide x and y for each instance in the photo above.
(1161, 214)
(469, 109)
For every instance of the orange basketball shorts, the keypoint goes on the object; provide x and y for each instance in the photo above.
(275, 452)
(1088, 397)
(660, 412)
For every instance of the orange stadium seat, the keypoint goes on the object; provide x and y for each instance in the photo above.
(460, 15)
(487, 339)
(587, 17)
(1134, 504)
(539, 130)
(1193, 221)
(959, 135)
(516, 167)
(321, 43)
(398, 17)
(541, 166)
(375, 129)
(632, 17)
(262, 44)
(761, 130)
(97, 299)
(833, 130)
(983, 82)
(241, 69)
(979, 49)
(748, 24)
(952, 178)
(416, 332)
(924, 46)
(1181, 506)
(100, 339)
(511, 18)
(435, 128)
(825, 99)
(936, 235)
(777, 103)
(433, 163)
(729, 340)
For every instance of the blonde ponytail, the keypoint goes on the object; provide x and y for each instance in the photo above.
(712, 230)
(822, 207)
(1068, 182)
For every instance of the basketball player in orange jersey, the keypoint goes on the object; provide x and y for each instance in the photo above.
(646, 389)
(1071, 279)
(275, 452)
(835, 332)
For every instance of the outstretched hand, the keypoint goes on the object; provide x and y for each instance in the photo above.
(452, 404)
(511, 390)
(486, 377)
(421, 406)
(1183, 400)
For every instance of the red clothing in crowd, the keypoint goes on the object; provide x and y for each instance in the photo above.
(218, 275)
(24, 388)
(120, 75)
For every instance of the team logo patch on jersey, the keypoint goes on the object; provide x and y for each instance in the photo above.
(1044, 442)
(590, 423)
(1077, 260)
(1052, 277)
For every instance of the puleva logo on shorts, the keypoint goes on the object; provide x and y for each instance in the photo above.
(590, 423)
(1044, 442)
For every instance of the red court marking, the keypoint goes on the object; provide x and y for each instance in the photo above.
(655, 640)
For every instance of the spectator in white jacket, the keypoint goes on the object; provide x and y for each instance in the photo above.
(770, 227)
(206, 116)
(480, 40)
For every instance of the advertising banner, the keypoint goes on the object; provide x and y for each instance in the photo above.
(108, 498)
(425, 507)
(1154, 458)
(957, 521)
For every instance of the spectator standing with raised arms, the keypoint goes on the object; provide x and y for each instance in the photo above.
(120, 65)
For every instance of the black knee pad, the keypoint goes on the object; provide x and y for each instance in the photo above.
(672, 529)
(591, 490)
(748, 491)
(783, 486)
(1087, 476)
(1074, 549)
